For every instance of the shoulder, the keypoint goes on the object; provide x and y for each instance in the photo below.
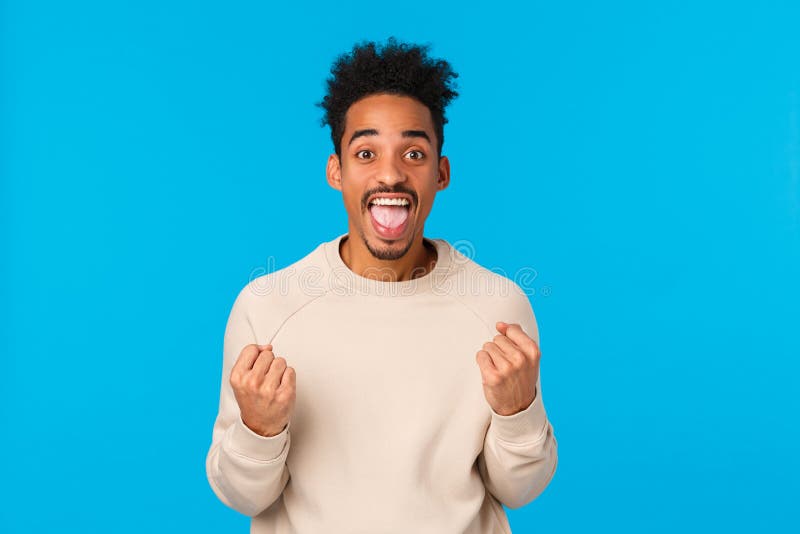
(285, 289)
(490, 293)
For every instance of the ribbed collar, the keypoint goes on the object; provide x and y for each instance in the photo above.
(345, 282)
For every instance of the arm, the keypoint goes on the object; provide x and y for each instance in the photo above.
(247, 471)
(520, 452)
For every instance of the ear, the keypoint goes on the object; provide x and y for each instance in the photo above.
(333, 171)
(443, 180)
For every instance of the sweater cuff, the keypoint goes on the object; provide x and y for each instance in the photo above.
(527, 426)
(262, 448)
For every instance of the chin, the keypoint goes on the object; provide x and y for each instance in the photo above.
(388, 250)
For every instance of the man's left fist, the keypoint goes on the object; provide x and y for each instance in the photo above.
(509, 367)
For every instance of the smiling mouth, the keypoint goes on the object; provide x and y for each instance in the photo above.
(389, 215)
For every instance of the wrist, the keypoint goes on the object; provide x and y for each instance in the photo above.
(264, 431)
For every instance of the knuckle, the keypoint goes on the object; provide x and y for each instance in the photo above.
(251, 383)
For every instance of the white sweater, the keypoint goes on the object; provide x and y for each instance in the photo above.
(391, 432)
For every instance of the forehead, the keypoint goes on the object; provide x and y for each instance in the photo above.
(388, 114)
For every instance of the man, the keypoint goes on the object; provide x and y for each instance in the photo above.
(385, 382)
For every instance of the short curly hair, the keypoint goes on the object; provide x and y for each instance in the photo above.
(393, 68)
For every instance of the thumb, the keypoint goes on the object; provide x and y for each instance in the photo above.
(501, 327)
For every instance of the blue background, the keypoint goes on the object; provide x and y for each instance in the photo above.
(644, 160)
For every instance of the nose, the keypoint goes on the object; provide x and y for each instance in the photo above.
(390, 172)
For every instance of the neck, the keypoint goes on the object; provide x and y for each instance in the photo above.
(418, 261)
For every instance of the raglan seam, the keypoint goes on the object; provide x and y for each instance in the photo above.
(477, 315)
(489, 327)
(294, 312)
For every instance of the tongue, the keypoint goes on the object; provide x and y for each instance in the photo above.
(389, 216)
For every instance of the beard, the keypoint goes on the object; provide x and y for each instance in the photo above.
(386, 252)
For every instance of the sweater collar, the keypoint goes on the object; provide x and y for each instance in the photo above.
(346, 282)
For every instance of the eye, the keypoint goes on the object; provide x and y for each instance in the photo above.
(415, 154)
(364, 154)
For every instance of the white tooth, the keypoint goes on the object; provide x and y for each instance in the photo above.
(390, 202)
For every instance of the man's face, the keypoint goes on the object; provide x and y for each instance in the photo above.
(389, 172)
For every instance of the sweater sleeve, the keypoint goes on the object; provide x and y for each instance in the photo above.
(247, 471)
(520, 452)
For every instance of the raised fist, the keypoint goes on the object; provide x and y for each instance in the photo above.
(264, 388)
(509, 366)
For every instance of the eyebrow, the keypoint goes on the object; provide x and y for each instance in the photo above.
(372, 131)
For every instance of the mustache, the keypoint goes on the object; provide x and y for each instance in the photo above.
(386, 189)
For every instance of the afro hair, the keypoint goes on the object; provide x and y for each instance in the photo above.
(393, 68)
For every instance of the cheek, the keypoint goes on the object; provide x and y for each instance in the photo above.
(424, 209)
(352, 200)
(427, 195)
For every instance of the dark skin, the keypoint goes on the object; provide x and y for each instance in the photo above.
(389, 144)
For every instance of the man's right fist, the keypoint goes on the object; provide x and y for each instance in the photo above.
(264, 388)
